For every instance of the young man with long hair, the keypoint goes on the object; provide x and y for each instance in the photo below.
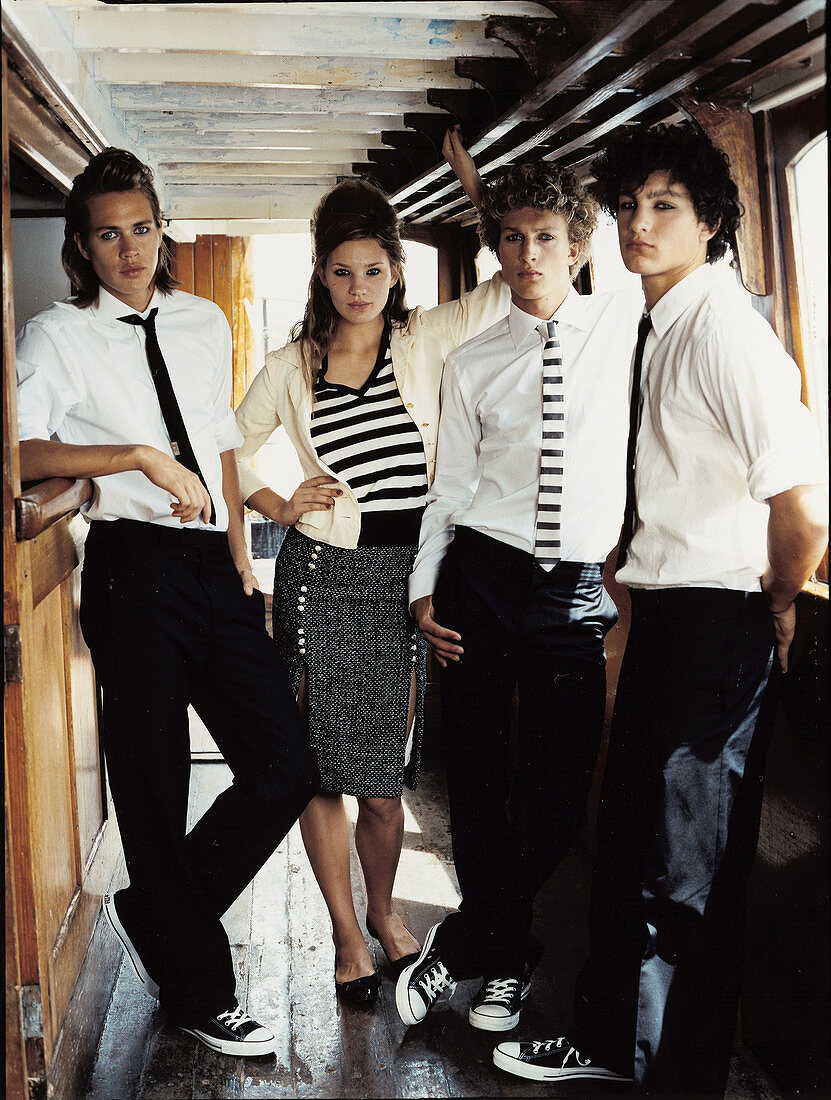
(128, 383)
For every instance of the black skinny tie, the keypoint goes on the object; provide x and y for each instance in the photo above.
(630, 512)
(171, 412)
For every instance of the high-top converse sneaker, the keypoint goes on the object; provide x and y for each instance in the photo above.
(497, 1005)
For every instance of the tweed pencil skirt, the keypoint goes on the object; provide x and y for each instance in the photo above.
(341, 616)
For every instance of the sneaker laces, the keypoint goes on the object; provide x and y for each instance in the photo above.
(559, 1044)
(235, 1017)
(500, 990)
(434, 981)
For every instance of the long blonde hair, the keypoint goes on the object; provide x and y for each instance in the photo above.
(353, 211)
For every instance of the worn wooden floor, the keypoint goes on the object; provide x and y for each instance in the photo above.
(285, 960)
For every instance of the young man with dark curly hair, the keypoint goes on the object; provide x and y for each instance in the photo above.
(507, 587)
(724, 523)
(128, 383)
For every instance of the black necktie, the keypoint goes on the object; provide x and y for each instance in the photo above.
(171, 412)
(630, 512)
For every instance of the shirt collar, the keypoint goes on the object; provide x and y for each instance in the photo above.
(110, 308)
(679, 298)
(572, 311)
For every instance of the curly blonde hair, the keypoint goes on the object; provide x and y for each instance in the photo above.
(542, 186)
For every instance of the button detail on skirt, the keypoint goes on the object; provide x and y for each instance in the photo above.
(303, 588)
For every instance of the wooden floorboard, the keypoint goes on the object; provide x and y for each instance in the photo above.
(284, 958)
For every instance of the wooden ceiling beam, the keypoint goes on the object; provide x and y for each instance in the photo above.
(328, 73)
(200, 97)
(207, 121)
(635, 16)
(635, 75)
(429, 38)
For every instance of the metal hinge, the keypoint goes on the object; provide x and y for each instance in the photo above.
(12, 673)
(31, 1016)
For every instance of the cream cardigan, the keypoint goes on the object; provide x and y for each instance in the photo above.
(279, 395)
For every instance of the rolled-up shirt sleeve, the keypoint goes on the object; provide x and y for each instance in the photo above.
(46, 384)
(256, 419)
(457, 476)
(753, 387)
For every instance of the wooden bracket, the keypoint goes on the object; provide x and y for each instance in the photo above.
(418, 149)
(431, 126)
(472, 108)
(505, 80)
(729, 125)
(539, 43)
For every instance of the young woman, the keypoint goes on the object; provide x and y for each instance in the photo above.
(357, 390)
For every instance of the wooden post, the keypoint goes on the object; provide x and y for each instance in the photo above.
(729, 125)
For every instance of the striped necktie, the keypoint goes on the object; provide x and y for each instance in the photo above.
(547, 535)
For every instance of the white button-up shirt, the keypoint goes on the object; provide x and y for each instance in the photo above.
(490, 433)
(722, 430)
(83, 378)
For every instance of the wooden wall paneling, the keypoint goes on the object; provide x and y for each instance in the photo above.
(15, 1049)
(203, 274)
(24, 1058)
(51, 805)
(222, 285)
(182, 265)
(242, 279)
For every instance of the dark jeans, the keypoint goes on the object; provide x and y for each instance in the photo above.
(541, 632)
(168, 624)
(676, 836)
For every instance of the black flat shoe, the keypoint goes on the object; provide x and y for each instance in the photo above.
(360, 991)
(397, 964)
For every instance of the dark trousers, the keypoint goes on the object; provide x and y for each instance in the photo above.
(168, 624)
(513, 821)
(676, 836)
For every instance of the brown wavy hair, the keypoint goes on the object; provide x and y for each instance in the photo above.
(353, 211)
(110, 170)
(542, 186)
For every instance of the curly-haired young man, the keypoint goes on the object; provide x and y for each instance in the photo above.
(724, 523)
(128, 383)
(507, 586)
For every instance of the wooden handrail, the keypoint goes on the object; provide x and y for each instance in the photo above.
(45, 502)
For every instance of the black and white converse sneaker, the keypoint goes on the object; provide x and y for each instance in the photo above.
(497, 1005)
(421, 983)
(233, 1032)
(552, 1060)
(111, 913)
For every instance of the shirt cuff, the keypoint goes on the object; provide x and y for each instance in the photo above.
(422, 582)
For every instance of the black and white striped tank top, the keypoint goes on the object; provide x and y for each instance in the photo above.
(368, 439)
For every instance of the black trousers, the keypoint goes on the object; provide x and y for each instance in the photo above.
(512, 821)
(168, 624)
(676, 836)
